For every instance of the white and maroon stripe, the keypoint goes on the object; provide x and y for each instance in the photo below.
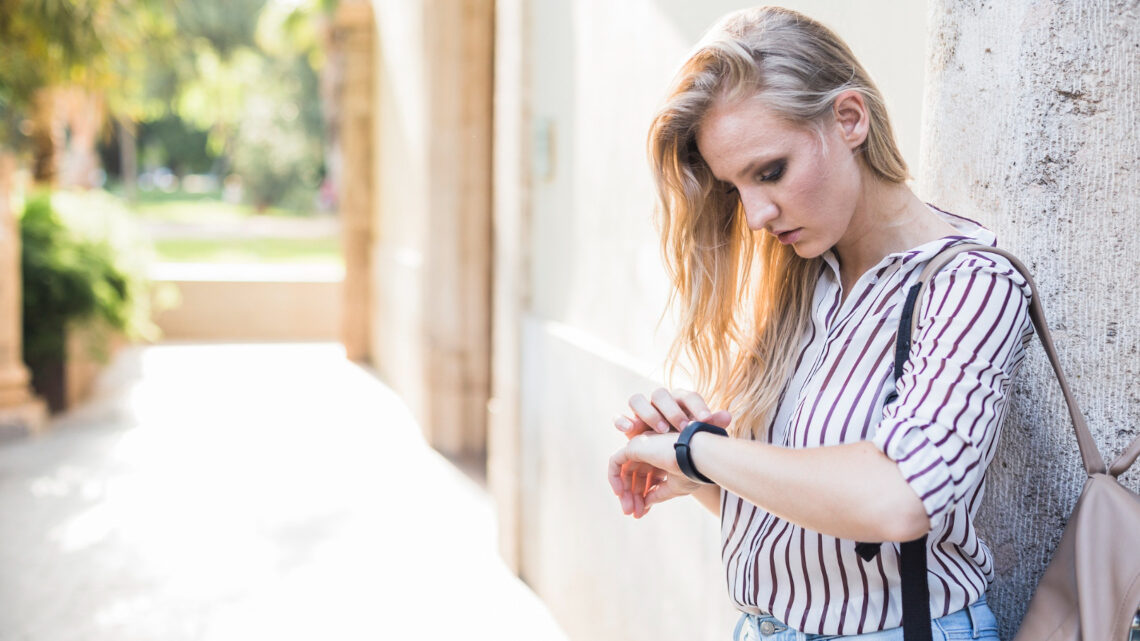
(941, 430)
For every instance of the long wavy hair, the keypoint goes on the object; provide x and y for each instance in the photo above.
(744, 300)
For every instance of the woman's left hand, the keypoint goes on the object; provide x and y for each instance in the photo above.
(645, 472)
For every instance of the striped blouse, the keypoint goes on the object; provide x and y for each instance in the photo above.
(941, 431)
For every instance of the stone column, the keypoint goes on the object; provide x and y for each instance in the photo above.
(20, 411)
(353, 37)
(457, 313)
(504, 432)
(1032, 126)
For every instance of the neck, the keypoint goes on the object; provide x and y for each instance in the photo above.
(888, 218)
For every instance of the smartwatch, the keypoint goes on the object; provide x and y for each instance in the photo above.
(681, 447)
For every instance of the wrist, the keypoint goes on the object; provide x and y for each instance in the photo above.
(684, 445)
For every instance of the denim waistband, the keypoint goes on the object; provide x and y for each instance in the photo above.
(975, 621)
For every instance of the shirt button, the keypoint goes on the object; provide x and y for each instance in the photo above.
(767, 628)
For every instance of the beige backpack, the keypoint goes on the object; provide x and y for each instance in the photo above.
(1091, 589)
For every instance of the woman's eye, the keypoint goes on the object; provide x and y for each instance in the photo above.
(772, 174)
(730, 191)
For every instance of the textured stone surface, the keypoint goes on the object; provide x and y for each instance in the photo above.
(1031, 126)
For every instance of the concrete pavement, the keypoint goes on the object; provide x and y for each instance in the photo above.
(247, 491)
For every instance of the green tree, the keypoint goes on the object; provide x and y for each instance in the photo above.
(95, 44)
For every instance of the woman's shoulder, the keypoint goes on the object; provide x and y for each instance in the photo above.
(978, 263)
(982, 261)
(975, 272)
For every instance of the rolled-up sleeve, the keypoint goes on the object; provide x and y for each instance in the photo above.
(953, 391)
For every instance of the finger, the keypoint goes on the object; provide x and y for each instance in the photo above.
(645, 410)
(631, 426)
(720, 418)
(665, 403)
(639, 427)
(623, 423)
(638, 505)
(627, 472)
(626, 503)
(616, 468)
(650, 481)
(645, 482)
(638, 478)
(692, 404)
(660, 494)
(649, 477)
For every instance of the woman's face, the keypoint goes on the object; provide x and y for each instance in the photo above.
(790, 185)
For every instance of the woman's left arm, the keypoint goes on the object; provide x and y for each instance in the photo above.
(933, 443)
(850, 491)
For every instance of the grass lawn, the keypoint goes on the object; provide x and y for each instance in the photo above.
(197, 212)
(183, 207)
(249, 250)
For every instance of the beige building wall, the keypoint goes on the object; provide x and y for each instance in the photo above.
(592, 290)
(256, 310)
(432, 249)
(401, 165)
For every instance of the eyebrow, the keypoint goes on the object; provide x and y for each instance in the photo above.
(756, 164)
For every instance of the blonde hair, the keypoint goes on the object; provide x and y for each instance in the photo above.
(745, 303)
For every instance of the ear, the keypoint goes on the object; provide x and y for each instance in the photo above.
(851, 115)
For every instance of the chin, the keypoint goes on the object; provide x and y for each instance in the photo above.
(808, 250)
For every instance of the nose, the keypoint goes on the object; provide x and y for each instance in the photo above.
(758, 210)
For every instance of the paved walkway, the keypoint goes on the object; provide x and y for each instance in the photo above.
(247, 492)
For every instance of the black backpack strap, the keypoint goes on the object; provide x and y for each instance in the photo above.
(912, 564)
(902, 337)
(915, 591)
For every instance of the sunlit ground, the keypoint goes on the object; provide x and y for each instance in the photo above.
(247, 492)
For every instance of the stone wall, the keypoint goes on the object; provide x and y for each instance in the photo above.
(1031, 127)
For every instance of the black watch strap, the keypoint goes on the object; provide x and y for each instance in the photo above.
(681, 447)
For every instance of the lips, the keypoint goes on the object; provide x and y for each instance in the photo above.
(790, 236)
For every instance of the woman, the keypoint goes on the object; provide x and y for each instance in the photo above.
(792, 239)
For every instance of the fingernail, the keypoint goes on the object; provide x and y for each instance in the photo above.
(685, 424)
(623, 426)
(662, 427)
(703, 416)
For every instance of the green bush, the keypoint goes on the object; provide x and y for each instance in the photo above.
(68, 279)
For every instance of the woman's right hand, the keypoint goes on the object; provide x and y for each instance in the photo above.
(667, 410)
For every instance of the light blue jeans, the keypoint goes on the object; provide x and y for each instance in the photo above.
(973, 623)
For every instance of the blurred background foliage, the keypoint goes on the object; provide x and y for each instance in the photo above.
(226, 90)
(78, 268)
(179, 130)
